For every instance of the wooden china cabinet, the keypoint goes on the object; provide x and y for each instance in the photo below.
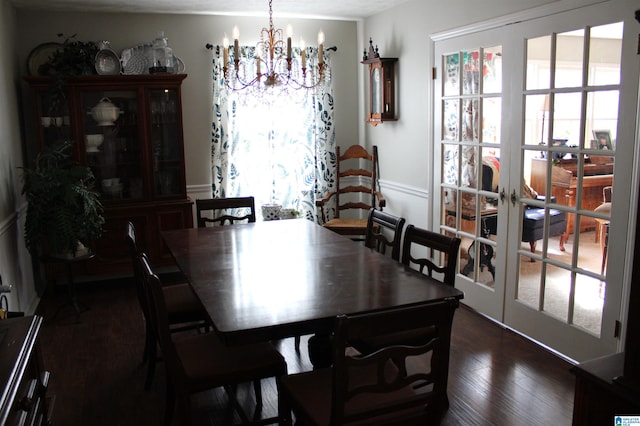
(138, 162)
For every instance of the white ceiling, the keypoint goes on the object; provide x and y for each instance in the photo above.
(338, 9)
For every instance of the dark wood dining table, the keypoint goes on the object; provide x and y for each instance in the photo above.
(270, 280)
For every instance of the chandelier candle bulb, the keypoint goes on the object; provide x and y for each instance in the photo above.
(289, 34)
(303, 51)
(225, 43)
(236, 44)
(320, 47)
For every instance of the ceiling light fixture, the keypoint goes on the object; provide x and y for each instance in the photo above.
(274, 63)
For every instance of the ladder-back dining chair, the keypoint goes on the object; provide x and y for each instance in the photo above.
(225, 211)
(446, 246)
(200, 362)
(384, 230)
(398, 384)
(356, 191)
(184, 309)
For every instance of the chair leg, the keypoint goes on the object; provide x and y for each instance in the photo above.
(169, 403)
(184, 404)
(284, 409)
(233, 400)
(297, 344)
(149, 340)
(257, 389)
(532, 244)
(151, 364)
(563, 239)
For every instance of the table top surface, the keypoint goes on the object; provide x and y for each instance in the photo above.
(275, 279)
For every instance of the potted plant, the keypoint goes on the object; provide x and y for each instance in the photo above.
(64, 211)
(73, 58)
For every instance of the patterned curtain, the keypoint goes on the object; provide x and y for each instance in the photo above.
(275, 144)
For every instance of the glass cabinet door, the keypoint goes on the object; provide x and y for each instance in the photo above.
(166, 140)
(55, 125)
(111, 141)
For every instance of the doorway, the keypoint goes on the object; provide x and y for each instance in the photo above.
(527, 136)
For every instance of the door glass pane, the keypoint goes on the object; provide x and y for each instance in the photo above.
(604, 54)
(590, 246)
(602, 114)
(491, 119)
(165, 140)
(536, 120)
(471, 72)
(470, 120)
(450, 120)
(450, 164)
(530, 277)
(492, 70)
(556, 292)
(566, 123)
(539, 63)
(469, 169)
(452, 75)
(490, 174)
(589, 300)
(569, 58)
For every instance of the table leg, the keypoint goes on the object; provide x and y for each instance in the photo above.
(319, 347)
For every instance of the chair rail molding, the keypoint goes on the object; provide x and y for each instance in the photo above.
(405, 189)
(16, 269)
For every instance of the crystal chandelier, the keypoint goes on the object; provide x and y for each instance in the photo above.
(274, 63)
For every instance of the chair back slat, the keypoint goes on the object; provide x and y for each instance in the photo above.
(446, 245)
(225, 211)
(398, 381)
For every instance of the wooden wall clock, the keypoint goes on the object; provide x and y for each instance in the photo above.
(381, 86)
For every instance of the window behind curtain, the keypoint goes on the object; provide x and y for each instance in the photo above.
(276, 146)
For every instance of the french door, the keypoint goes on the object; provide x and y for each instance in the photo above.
(472, 152)
(528, 133)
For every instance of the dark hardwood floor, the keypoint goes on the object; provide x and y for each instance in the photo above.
(496, 376)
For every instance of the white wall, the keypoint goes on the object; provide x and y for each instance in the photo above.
(15, 266)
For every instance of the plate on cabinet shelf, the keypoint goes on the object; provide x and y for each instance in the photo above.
(40, 55)
(136, 64)
(107, 62)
